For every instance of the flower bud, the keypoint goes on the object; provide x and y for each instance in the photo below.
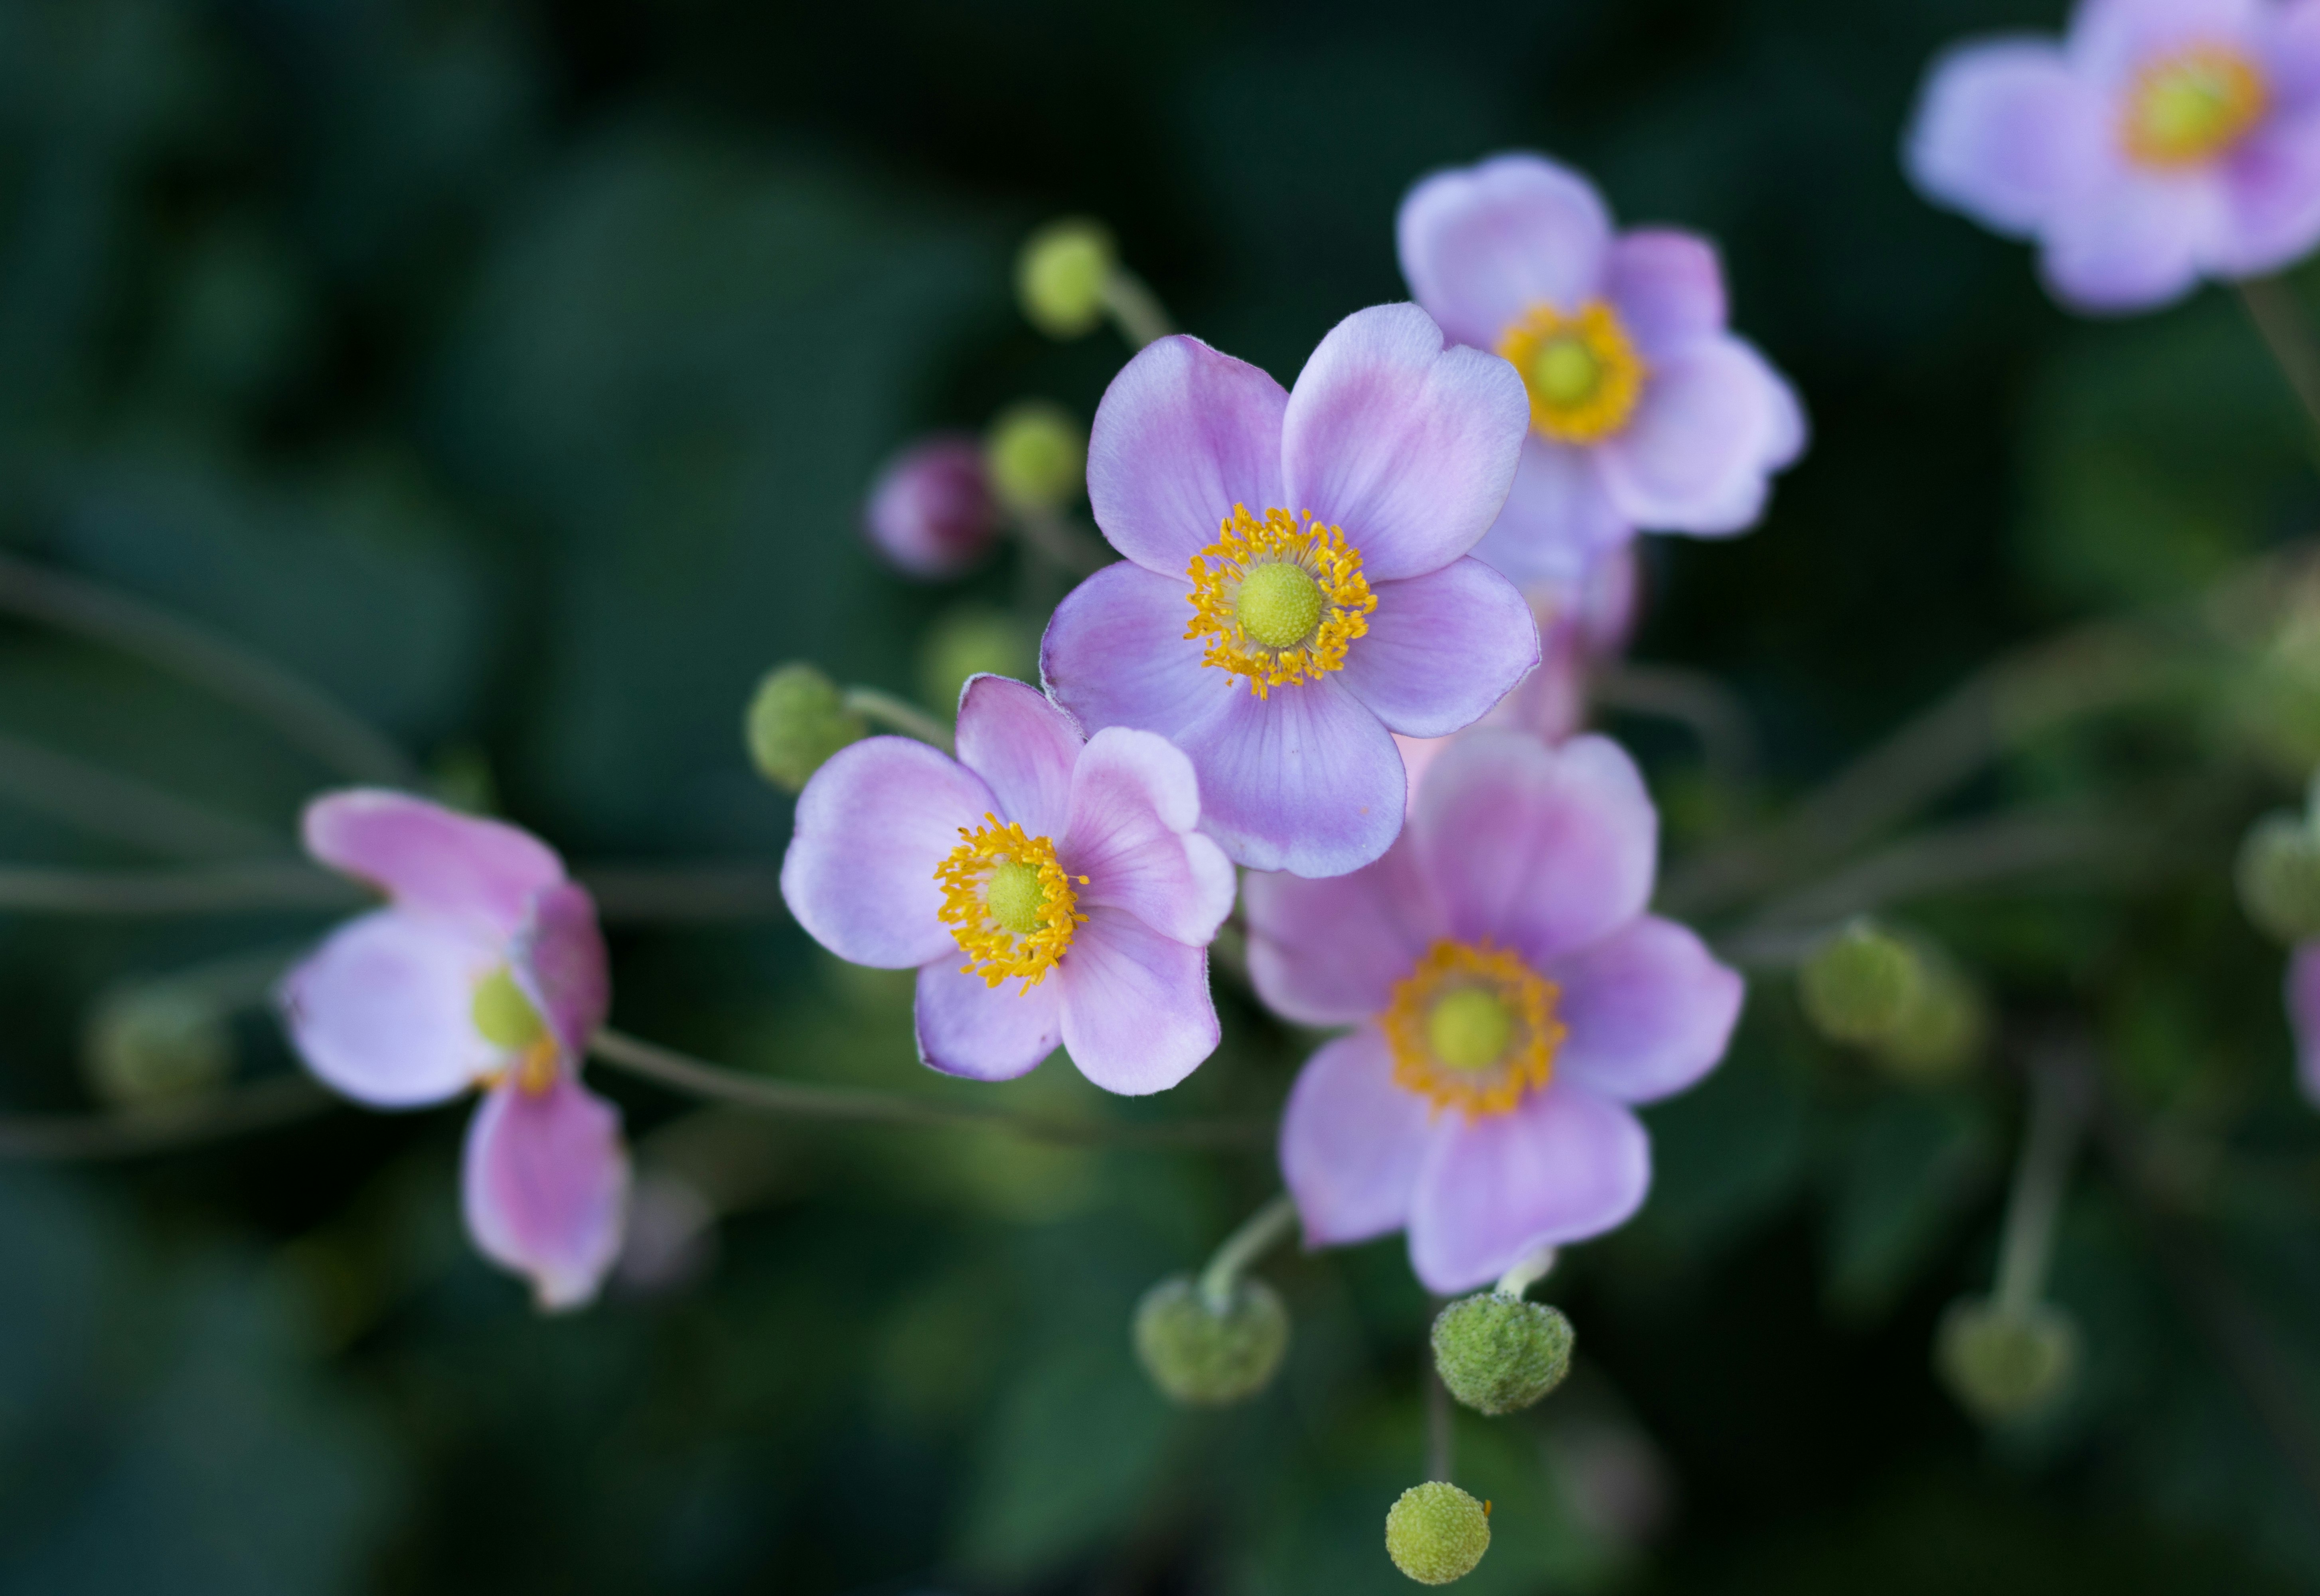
(1943, 1031)
(1499, 1353)
(142, 1043)
(1036, 456)
(2278, 877)
(2002, 1362)
(1060, 276)
(930, 513)
(1435, 1533)
(969, 641)
(1859, 983)
(1209, 1355)
(796, 722)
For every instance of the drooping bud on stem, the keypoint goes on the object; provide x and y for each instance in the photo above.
(1219, 1339)
(1435, 1533)
(1896, 996)
(1036, 456)
(1060, 276)
(796, 722)
(1498, 1353)
(143, 1043)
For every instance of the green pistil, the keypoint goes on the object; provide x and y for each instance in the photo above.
(1015, 896)
(503, 1016)
(1566, 371)
(1470, 1029)
(1278, 605)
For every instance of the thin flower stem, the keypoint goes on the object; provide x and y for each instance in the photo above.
(2281, 322)
(1527, 1274)
(1704, 706)
(694, 1077)
(896, 715)
(2058, 1111)
(257, 887)
(309, 718)
(1441, 1437)
(121, 809)
(1134, 308)
(163, 1127)
(1061, 542)
(1257, 1235)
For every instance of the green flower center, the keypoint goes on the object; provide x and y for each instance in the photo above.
(1278, 605)
(503, 1016)
(1015, 896)
(1470, 1028)
(1566, 371)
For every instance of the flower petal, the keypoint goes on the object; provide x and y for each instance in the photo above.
(2006, 132)
(1116, 654)
(985, 1033)
(1306, 780)
(2304, 1017)
(1328, 952)
(1563, 1165)
(1137, 1016)
(1023, 745)
(1135, 808)
(1482, 245)
(1697, 442)
(1668, 288)
(1407, 445)
(1540, 849)
(558, 960)
(1441, 648)
(428, 858)
(1558, 517)
(546, 1187)
(384, 1012)
(1184, 434)
(2271, 199)
(2132, 244)
(2112, 40)
(872, 826)
(1352, 1142)
(1649, 1010)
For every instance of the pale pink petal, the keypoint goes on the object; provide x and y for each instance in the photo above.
(1649, 1011)
(2113, 40)
(1021, 745)
(2270, 199)
(1305, 780)
(1138, 1016)
(1116, 654)
(1134, 812)
(1667, 287)
(1328, 952)
(1559, 517)
(557, 959)
(1482, 244)
(1352, 1142)
(431, 859)
(982, 1033)
(382, 1013)
(1696, 445)
(1441, 648)
(1184, 434)
(2134, 244)
(546, 1187)
(2008, 133)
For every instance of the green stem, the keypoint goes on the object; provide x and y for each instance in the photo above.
(262, 1105)
(1711, 712)
(1441, 1435)
(2058, 1110)
(119, 809)
(222, 889)
(1256, 1237)
(895, 714)
(1527, 1274)
(1134, 308)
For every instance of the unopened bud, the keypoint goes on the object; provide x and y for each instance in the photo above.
(796, 722)
(970, 640)
(1435, 1533)
(930, 512)
(1499, 1353)
(2002, 1362)
(143, 1044)
(1036, 456)
(1060, 276)
(1944, 1030)
(1209, 1354)
(1859, 983)
(2278, 877)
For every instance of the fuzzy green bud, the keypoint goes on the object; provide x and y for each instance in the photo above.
(1435, 1533)
(1209, 1354)
(1499, 1353)
(143, 1044)
(1036, 455)
(2002, 1362)
(1859, 983)
(1943, 1031)
(796, 722)
(969, 641)
(2278, 877)
(1060, 276)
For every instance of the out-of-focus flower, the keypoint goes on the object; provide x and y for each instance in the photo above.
(974, 639)
(1645, 412)
(2164, 140)
(1070, 873)
(1211, 1352)
(931, 511)
(2303, 994)
(1060, 276)
(1315, 632)
(485, 968)
(1512, 998)
(1035, 456)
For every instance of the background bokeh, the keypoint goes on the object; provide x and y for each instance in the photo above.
(513, 373)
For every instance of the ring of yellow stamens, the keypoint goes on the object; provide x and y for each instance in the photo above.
(1582, 372)
(2192, 106)
(1007, 903)
(1473, 1027)
(1279, 602)
(505, 1017)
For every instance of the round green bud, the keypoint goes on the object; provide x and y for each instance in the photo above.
(796, 722)
(1206, 1353)
(970, 640)
(1499, 1353)
(2278, 877)
(1036, 456)
(1435, 1533)
(1944, 1030)
(1859, 983)
(1060, 276)
(142, 1043)
(2001, 1363)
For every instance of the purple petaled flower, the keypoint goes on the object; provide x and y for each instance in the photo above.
(485, 968)
(1645, 412)
(1070, 873)
(2162, 142)
(931, 511)
(1297, 587)
(1511, 998)
(2303, 986)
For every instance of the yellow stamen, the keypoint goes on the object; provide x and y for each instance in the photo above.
(1278, 602)
(1473, 1027)
(1582, 371)
(1007, 903)
(2193, 106)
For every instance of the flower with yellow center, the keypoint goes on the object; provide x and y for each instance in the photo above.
(1473, 1027)
(1582, 371)
(2193, 107)
(1279, 602)
(505, 1018)
(1007, 903)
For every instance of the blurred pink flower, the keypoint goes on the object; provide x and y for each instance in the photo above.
(931, 511)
